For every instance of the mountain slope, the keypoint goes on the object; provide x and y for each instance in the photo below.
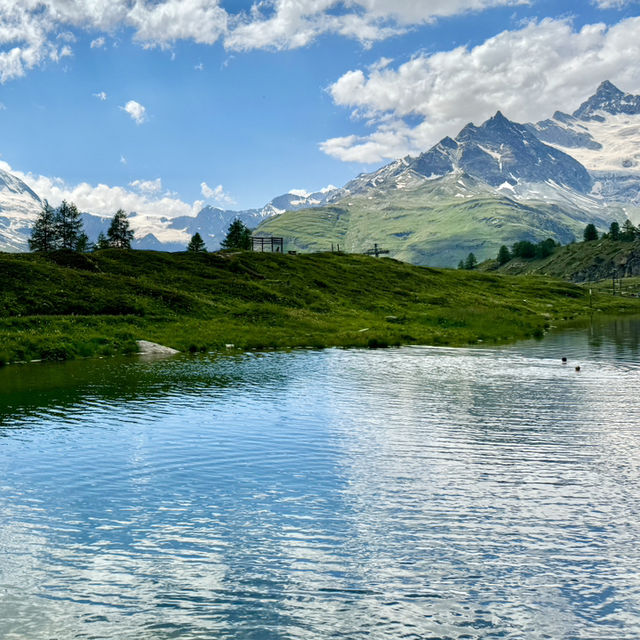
(19, 207)
(493, 184)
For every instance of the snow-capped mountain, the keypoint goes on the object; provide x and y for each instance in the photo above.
(19, 207)
(603, 134)
(492, 184)
(503, 154)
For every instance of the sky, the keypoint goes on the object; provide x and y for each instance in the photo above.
(165, 106)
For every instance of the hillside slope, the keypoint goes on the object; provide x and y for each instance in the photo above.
(65, 305)
(582, 262)
(435, 223)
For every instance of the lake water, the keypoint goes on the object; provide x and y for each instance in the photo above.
(406, 493)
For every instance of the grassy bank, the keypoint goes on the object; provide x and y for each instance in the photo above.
(65, 305)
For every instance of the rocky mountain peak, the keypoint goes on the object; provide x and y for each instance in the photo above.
(609, 99)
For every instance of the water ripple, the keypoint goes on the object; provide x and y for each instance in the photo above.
(410, 493)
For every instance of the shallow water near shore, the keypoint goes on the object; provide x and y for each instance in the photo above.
(400, 493)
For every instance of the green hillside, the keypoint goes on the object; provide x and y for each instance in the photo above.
(434, 224)
(65, 305)
(581, 262)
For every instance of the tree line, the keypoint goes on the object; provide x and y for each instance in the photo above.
(62, 228)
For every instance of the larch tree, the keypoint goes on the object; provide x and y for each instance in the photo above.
(119, 234)
(44, 235)
(68, 226)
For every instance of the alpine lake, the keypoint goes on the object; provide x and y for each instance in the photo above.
(415, 493)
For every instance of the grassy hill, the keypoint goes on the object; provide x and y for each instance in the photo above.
(438, 223)
(65, 305)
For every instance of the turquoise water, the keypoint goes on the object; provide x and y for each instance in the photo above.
(405, 493)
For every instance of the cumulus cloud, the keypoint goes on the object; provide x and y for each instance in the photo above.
(101, 95)
(29, 30)
(527, 73)
(137, 112)
(216, 194)
(104, 200)
(147, 186)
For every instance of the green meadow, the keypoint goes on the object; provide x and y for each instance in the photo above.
(66, 305)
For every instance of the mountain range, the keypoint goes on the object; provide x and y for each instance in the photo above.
(492, 184)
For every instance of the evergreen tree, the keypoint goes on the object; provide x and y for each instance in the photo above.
(461, 264)
(196, 244)
(524, 249)
(545, 248)
(83, 245)
(119, 234)
(504, 255)
(68, 225)
(590, 233)
(238, 236)
(44, 235)
(471, 262)
(629, 232)
(102, 242)
(614, 231)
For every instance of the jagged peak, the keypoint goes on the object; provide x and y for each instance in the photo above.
(609, 99)
(606, 86)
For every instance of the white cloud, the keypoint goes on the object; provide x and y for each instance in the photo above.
(147, 186)
(199, 67)
(612, 4)
(137, 112)
(104, 200)
(216, 194)
(123, 160)
(101, 95)
(29, 30)
(528, 74)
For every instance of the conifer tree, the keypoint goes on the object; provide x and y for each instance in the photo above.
(614, 231)
(461, 264)
(629, 232)
(102, 242)
(590, 233)
(84, 245)
(68, 225)
(197, 244)
(238, 236)
(119, 234)
(471, 262)
(504, 255)
(44, 235)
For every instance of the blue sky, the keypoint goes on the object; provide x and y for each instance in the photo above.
(165, 106)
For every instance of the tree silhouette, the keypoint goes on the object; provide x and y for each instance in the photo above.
(614, 231)
(44, 235)
(68, 225)
(238, 236)
(590, 233)
(470, 263)
(196, 244)
(119, 234)
(504, 255)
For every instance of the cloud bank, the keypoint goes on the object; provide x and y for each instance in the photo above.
(29, 29)
(527, 73)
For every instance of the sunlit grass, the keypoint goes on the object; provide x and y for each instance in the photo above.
(67, 306)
